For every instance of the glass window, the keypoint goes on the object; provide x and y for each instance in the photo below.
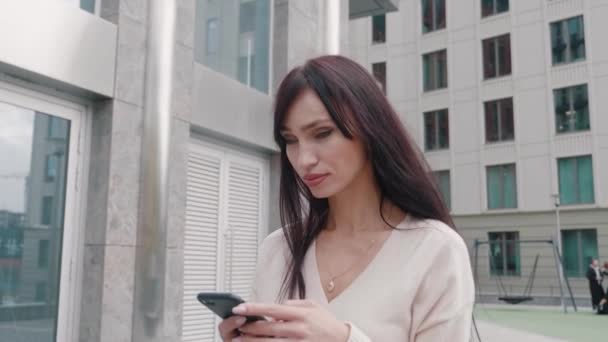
(50, 168)
(579, 247)
(433, 15)
(568, 40)
(379, 29)
(47, 210)
(499, 120)
(497, 56)
(443, 183)
(504, 253)
(436, 130)
(233, 37)
(501, 186)
(493, 7)
(576, 180)
(571, 109)
(379, 72)
(435, 70)
(213, 39)
(43, 253)
(88, 5)
(31, 221)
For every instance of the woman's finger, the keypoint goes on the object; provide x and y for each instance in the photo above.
(228, 328)
(259, 339)
(300, 302)
(290, 330)
(276, 311)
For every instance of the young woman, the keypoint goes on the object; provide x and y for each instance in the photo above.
(367, 251)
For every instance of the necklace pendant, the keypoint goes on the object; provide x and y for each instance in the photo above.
(331, 286)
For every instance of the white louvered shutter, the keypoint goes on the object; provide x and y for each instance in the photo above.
(203, 200)
(243, 222)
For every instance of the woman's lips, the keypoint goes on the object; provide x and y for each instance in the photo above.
(314, 180)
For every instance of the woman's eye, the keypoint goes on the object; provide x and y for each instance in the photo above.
(290, 141)
(324, 134)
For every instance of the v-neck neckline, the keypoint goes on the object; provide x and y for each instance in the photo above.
(370, 266)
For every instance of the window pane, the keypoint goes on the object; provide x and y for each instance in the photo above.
(439, 14)
(491, 116)
(487, 8)
(581, 107)
(506, 120)
(31, 221)
(512, 253)
(570, 253)
(213, 40)
(379, 28)
(88, 5)
(502, 6)
(504, 55)
(579, 248)
(435, 70)
(589, 250)
(510, 186)
(426, 64)
(563, 120)
(427, 15)
(558, 45)
(496, 253)
(233, 37)
(43, 253)
(444, 129)
(430, 129)
(567, 181)
(577, 38)
(494, 187)
(379, 72)
(585, 181)
(442, 68)
(489, 58)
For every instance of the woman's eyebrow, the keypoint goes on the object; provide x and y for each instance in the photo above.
(308, 126)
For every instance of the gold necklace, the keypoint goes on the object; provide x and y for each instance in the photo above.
(331, 285)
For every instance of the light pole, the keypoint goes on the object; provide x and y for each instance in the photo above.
(558, 235)
(558, 247)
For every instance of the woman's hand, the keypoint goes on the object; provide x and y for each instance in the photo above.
(228, 328)
(296, 320)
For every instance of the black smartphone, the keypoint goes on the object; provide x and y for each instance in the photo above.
(221, 303)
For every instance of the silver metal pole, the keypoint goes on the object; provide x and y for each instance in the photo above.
(558, 249)
(559, 278)
(332, 27)
(150, 264)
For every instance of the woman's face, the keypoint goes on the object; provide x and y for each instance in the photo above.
(324, 159)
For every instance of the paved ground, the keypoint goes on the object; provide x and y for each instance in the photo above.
(542, 324)
(490, 332)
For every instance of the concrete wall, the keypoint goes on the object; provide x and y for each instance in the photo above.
(59, 45)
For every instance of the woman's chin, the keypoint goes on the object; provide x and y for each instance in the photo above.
(322, 192)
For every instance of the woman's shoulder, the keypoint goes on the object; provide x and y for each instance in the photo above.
(276, 238)
(274, 244)
(433, 232)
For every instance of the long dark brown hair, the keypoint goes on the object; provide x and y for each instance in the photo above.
(359, 109)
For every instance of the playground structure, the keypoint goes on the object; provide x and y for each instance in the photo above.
(527, 295)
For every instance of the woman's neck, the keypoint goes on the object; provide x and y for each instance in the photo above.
(357, 208)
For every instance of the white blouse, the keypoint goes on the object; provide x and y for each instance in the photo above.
(419, 286)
